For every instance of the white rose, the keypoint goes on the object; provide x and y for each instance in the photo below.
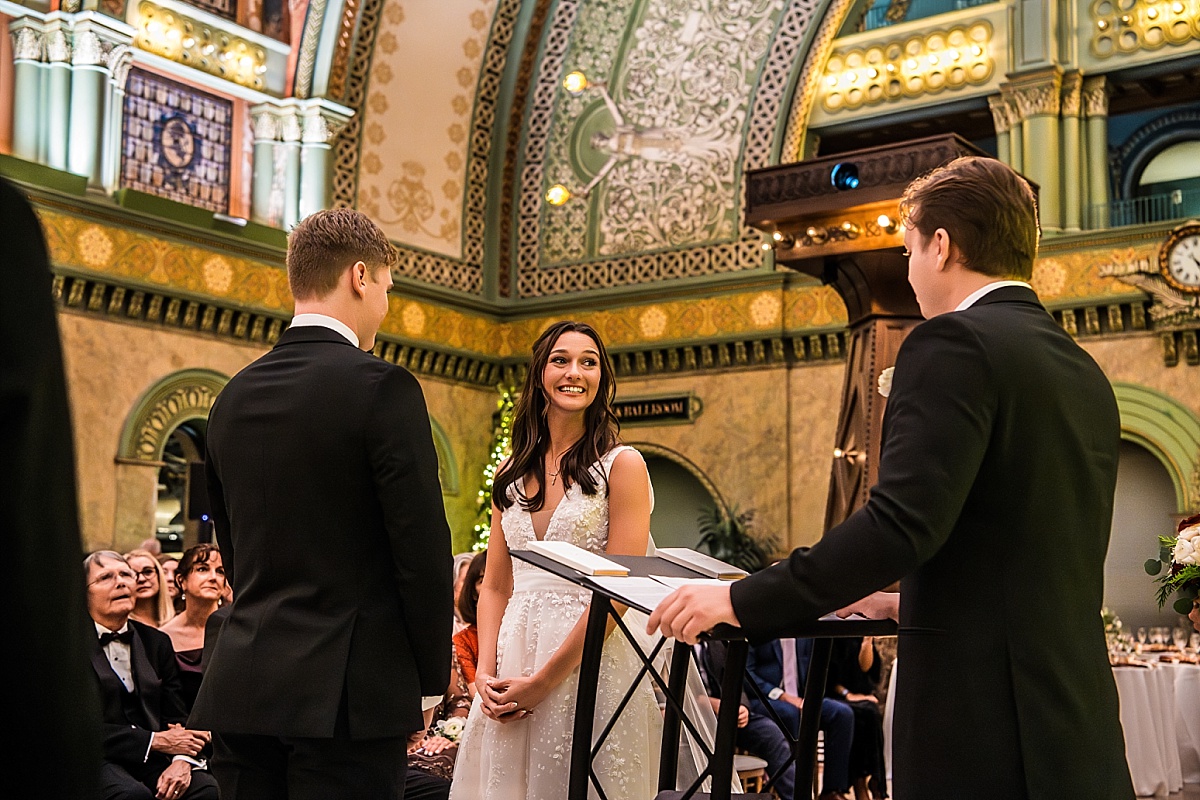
(885, 382)
(1184, 550)
(1190, 533)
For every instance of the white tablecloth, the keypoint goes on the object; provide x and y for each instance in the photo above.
(1160, 713)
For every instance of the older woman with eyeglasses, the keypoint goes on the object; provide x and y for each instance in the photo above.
(153, 604)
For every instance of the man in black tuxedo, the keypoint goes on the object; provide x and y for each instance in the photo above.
(148, 753)
(323, 484)
(49, 688)
(994, 504)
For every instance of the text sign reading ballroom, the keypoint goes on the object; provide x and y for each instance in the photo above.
(663, 410)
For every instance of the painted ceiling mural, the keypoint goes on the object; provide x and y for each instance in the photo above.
(417, 119)
(658, 135)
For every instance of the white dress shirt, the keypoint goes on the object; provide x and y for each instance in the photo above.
(324, 321)
(120, 655)
(974, 296)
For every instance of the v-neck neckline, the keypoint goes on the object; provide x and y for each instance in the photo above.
(553, 514)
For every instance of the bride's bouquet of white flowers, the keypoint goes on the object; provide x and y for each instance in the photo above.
(1180, 554)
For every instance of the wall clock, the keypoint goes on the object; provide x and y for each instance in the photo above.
(1179, 258)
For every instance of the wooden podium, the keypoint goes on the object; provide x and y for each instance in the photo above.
(720, 760)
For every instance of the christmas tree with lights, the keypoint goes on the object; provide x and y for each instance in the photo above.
(501, 449)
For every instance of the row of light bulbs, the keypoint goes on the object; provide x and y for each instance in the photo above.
(1152, 13)
(852, 76)
(182, 41)
(816, 235)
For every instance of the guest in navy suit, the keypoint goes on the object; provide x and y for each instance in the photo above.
(767, 665)
(148, 754)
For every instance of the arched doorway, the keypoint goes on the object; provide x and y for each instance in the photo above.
(1143, 510)
(682, 492)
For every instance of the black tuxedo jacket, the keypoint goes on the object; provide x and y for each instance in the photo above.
(323, 482)
(48, 689)
(994, 504)
(128, 718)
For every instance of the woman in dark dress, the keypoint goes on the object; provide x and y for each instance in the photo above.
(200, 577)
(854, 673)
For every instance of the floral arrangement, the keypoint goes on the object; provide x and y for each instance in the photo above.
(884, 383)
(1112, 623)
(451, 729)
(1180, 555)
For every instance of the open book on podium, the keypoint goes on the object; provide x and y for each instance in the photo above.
(638, 581)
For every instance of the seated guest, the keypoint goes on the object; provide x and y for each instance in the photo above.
(466, 641)
(779, 668)
(854, 673)
(169, 565)
(154, 606)
(757, 733)
(148, 753)
(200, 580)
(431, 758)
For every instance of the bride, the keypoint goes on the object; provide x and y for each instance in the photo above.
(568, 480)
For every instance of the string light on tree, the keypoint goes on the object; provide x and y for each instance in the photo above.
(501, 449)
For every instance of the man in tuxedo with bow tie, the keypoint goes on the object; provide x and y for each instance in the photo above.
(993, 504)
(148, 753)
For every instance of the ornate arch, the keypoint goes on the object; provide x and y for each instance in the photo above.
(1167, 429)
(174, 400)
(447, 465)
(651, 449)
(1132, 157)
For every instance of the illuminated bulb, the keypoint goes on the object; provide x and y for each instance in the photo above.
(891, 67)
(954, 55)
(557, 194)
(976, 50)
(260, 69)
(1102, 24)
(189, 42)
(886, 223)
(174, 33)
(155, 27)
(910, 64)
(874, 73)
(1177, 7)
(850, 229)
(575, 82)
(208, 49)
(767, 246)
(833, 80)
(1152, 13)
(933, 60)
(851, 77)
(1126, 20)
(777, 236)
(247, 62)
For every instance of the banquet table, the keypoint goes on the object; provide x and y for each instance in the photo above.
(1160, 714)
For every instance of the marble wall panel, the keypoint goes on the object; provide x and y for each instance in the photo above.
(1138, 359)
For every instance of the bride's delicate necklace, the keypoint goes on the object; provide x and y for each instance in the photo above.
(554, 475)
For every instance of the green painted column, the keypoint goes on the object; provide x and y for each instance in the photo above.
(266, 134)
(58, 98)
(1072, 153)
(1003, 124)
(28, 72)
(1095, 108)
(120, 59)
(89, 108)
(314, 165)
(291, 136)
(1038, 97)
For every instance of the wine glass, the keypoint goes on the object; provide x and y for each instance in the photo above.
(1179, 637)
(1141, 635)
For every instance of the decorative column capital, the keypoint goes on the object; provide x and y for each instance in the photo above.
(1095, 96)
(58, 47)
(89, 50)
(265, 123)
(1001, 113)
(28, 43)
(322, 124)
(290, 127)
(119, 61)
(1037, 93)
(1072, 93)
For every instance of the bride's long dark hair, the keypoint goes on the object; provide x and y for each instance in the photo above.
(531, 435)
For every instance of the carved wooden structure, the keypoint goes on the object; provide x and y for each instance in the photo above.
(851, 239)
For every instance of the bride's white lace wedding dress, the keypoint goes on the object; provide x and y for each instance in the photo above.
(529, 759)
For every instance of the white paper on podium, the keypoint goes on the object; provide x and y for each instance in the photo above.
(646, 592)
(677, 583)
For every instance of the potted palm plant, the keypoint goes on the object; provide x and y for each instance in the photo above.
(725, 534)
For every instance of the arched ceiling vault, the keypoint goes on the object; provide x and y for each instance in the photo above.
(464, 123)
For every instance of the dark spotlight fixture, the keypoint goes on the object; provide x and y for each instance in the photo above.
(844, 176)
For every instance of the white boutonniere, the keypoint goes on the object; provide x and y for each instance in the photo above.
(885, 381)
(451, 728)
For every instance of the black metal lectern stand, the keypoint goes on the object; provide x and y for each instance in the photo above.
(720, 760)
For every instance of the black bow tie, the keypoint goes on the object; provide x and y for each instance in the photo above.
(124, 638)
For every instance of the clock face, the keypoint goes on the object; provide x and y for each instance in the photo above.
(178, 143)
(1180, 259)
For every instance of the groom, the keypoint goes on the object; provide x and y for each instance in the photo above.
(323, 483)
(994, 504)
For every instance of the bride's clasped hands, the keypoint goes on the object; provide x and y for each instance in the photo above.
(510, 699)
